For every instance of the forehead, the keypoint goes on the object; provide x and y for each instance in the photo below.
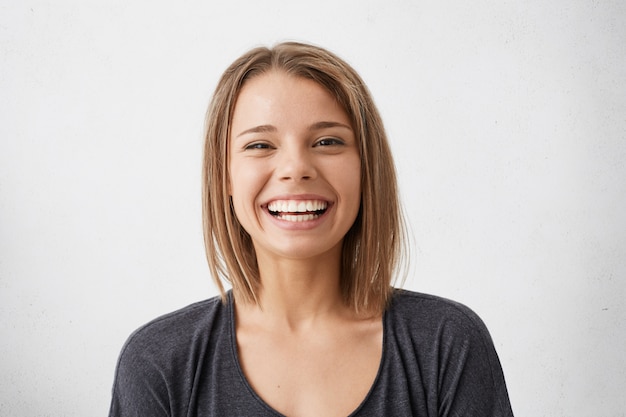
(279, 98)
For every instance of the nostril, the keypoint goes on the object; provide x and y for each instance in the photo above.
(296, 168)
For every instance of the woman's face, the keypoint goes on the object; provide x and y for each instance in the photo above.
(294, 167)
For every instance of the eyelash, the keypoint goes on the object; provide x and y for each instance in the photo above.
(329, 142)
(257, 145)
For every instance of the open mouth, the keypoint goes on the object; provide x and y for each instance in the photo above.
(297, 210)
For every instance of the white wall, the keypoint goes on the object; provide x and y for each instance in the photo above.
(508, 120)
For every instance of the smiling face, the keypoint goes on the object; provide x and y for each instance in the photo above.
(294, 167)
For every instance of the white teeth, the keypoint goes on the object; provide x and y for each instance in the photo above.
(298, 217)
(296, 206)
(287, 209)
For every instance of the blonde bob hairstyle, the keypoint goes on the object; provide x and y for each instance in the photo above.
(373, 246)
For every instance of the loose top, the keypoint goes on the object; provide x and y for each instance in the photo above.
(438, 360)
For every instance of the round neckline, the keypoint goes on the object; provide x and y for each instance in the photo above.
(257, 397)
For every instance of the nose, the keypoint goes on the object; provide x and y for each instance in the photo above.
(296, 164)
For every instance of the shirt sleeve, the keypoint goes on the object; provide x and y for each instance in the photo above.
(140, 388)
(471, 381)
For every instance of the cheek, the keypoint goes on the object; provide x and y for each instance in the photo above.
(241, 206)
(351, 179)
(243, 187)
(236, 178)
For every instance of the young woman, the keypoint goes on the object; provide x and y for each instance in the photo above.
(301, 217)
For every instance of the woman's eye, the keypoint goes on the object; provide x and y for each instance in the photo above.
(258, 145)
(329, 142)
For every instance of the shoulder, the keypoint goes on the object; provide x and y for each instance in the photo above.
(429, 315)
(168, 339)
(446, 346)
(160, 359)
(411, 303)
(177, 323)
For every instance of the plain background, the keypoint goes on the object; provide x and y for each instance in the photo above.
(508, 124)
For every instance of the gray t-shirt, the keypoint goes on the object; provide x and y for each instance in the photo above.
(438, 360)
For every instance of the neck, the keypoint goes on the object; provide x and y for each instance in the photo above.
(297, 293)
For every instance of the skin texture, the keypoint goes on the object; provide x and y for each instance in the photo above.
(301, 348)
(279, 151)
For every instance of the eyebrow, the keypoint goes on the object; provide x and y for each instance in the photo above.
(259, 129)
(313, 127)
(327, 125)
